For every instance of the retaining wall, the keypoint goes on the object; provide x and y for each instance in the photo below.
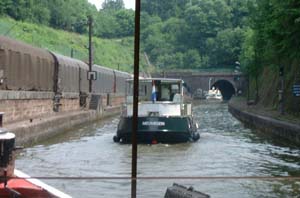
(266, 124)
(31, 117)
(18, 105)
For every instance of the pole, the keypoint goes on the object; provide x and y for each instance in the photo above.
(135, 98)
(209, 81)
(90, 24)
(281, 91)
(248, 88)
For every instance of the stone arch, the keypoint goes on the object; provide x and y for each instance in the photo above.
(226, 87)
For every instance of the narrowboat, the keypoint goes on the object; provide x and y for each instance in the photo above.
(164, 113)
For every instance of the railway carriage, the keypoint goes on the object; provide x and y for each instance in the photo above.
(105, 80)
(27, 68)
(24, 67)
(71, 76)
(121, 78)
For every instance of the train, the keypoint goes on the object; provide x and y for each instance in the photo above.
(27, 68)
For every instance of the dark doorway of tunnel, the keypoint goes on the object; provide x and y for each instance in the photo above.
(226, 88)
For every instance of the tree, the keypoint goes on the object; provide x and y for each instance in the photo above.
(20, 9)
(204, 20)
(192, 59)
(164, 9)
(125, 20)
(113, 5)
(40, 12)
(105, 25)
(5, 6)
(225, 48)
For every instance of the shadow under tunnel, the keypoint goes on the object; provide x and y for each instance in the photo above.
(226, 88)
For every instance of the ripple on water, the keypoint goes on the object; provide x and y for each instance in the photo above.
(226, 148)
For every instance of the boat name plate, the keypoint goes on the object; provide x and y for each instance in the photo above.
(153, 123)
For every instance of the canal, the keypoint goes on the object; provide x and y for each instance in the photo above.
(226, 148)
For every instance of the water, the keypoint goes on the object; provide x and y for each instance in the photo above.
(226, 148)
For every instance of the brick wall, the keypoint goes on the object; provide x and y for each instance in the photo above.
(117, 100)
(70, 104)
(19, 105)
(114, 100)
(15, 110)
(23, 105)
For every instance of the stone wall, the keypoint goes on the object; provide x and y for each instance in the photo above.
(20, 105)
(31, 117)
(15, 110)
(114, 99)
(26, 105)
(268, 125)
(28, 133)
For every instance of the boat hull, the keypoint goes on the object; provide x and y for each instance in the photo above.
(158, 130)
(21, 184)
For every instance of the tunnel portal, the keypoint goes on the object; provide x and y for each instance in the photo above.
(226, 88)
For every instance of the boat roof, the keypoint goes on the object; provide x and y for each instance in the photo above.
(160, 79)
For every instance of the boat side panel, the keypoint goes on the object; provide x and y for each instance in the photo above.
(161, 129)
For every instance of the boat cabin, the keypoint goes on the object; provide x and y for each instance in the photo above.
(159, 97)
(164, 113)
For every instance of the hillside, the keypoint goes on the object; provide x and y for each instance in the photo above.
(274, 43)
(268, 83)
(112, 53)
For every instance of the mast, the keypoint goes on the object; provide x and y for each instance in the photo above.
(135, 98)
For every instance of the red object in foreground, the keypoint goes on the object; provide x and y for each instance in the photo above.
(25, 188)
(29, 188)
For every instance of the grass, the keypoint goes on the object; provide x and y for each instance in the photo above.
(112, 53)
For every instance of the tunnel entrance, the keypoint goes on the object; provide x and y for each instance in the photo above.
(226, 88)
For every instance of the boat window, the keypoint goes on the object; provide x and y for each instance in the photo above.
(145, 89)
(167, 91)
(142, 90)
(164, 91)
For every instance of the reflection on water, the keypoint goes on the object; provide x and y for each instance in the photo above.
(226, 148)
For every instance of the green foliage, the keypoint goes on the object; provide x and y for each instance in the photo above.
(276, 24)
(106, 25)
(225, 47)
(201, 34)
(247, 56)
(174, 34)
(114, 23)
(71, 15)
(163, 9)
(113, 5)
(271, 42)
(125, 19)
(274, 37)
(113, 53)
(5, 5)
